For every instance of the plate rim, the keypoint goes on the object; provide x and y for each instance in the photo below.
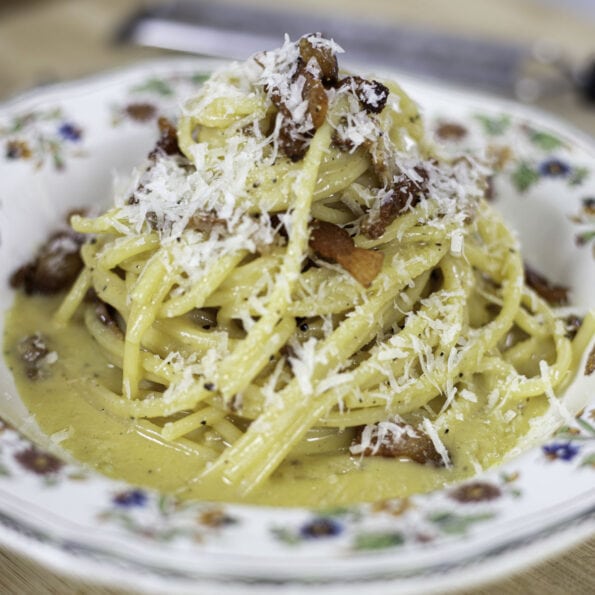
(586, 141)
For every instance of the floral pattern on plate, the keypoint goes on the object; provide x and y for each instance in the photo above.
(525, 153)
(419, 519)
(527, 156)
(40, 136)
(155, 96)
(574, 442)
(128, 531)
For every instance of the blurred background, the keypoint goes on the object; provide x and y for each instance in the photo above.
(550, 43)
(545, 48)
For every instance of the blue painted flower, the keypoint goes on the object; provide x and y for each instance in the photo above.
(69, 131)
(130, 498)
(321, 527)
(554, 168)
(565, 451)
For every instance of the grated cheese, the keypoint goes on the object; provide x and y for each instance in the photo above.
(556, 404)
(383, 433)
(303, 363)
(438, 444)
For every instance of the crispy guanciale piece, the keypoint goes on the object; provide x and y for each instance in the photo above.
(291, 141)
(555, 295)
(317, 98)
(342, 141)
(205, 221)
(105, 315)
(404, 191)
(317, 66)
(410, 444)
(55, 266)
(168, 139)
(324, 57)
(32, 350)
(334, 243)
(371, 94)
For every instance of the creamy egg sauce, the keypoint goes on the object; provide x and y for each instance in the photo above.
(124, 449)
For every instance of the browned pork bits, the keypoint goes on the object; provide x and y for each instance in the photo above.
(168, 139)
(334, 243)
(403, 191)
(555, 295)
(319, 69)
(33, 351)
(54, 268)
(418, 448)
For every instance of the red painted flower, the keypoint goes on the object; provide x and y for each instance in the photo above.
(477, 491)
(17, 149)
(451, 131)
(38, 461)
(215, 517)
(141, 112)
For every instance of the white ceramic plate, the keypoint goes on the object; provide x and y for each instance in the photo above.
(59, 148)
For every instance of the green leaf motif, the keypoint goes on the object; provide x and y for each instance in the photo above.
(545, 140)
(524, 176)
(578, 176)
(198, 78)
(582, 239)
(585, 425)
(378, 540)
(165, 504)
(494, 125)
(78, 475)
(285, 535)
(589, 461)
(352, 513)
(451, 523)
(154, 85)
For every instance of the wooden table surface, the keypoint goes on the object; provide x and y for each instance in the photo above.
(50, 40)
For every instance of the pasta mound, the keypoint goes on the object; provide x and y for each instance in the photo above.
(296, 263)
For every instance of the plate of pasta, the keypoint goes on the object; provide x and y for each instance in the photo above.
(274, 324)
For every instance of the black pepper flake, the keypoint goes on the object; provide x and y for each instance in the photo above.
(209, 386)
(302, 324)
